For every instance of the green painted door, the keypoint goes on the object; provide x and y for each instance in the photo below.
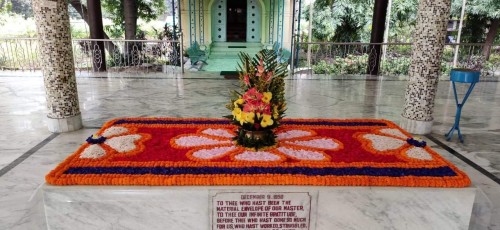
(219, 21)
(253, 21)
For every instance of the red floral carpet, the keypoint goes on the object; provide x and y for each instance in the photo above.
(172, 151)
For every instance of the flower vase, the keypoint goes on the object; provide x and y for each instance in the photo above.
(256, 139)
(256, 135)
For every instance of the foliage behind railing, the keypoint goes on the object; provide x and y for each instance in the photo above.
(19, 54)
(352, 58)
(125, 55)
(120, 55)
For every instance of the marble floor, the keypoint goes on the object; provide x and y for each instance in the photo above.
(28, 150)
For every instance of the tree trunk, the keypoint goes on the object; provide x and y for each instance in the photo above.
(377, 36)
(490, 37)
(96, 32)
(130, 13)
(82, 11)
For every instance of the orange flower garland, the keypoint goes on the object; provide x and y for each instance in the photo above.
(173, 151)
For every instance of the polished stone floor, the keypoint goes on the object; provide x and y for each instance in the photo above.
(28, 151)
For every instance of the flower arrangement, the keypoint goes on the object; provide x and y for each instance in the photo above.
(258, 109)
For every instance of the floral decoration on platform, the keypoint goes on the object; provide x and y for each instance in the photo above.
(393, 141)
(258, 109)
(298, 144)
(115, 139)
(201, 151)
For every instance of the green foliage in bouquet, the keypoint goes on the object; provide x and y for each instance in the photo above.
(261, 104)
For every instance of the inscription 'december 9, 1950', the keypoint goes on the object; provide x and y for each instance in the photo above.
(261, 210)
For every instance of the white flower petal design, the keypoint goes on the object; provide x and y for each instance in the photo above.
(324, 143)
(193, 141)
(257, 156)
(293, 134)
(114, 131)
(418, 153)
(93, 152)
(123, 144)
(218, 133)
(394, 132)
(207, 154)
(302, 154)
(383, 143)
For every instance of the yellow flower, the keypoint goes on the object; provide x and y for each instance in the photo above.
(267, 97)
(237, 113)
(239, 102)
(275, 112)
(266, 121)
(248, 117)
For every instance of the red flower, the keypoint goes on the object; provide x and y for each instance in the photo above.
(264, 108)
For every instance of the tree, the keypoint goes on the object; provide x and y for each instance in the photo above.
(130, 13)
(403, 18)
(350, 20)
(479, 12)
(5, 7)
(341, 20)
(83, 12)
(22, 7)
(124, 15)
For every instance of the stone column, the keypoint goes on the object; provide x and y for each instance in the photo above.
(427, 49)
(56, 59)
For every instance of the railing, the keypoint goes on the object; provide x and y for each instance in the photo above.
(19, 54)
(316, 57)
(120, 55)
(353, 58)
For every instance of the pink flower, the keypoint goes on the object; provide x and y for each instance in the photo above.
(268, 76)
(250, 107)
(246, 79)
(257, 107)
(252, 96)
(260, 68)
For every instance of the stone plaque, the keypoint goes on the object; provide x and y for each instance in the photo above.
(261, 210)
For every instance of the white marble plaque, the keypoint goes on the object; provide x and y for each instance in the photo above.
(261, 210)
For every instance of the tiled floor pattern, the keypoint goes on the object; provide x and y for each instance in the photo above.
(22, 110)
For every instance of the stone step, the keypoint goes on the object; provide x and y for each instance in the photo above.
(226, 57)
(231, 53)
(246, 44)
(236, 48)
(221, 56)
